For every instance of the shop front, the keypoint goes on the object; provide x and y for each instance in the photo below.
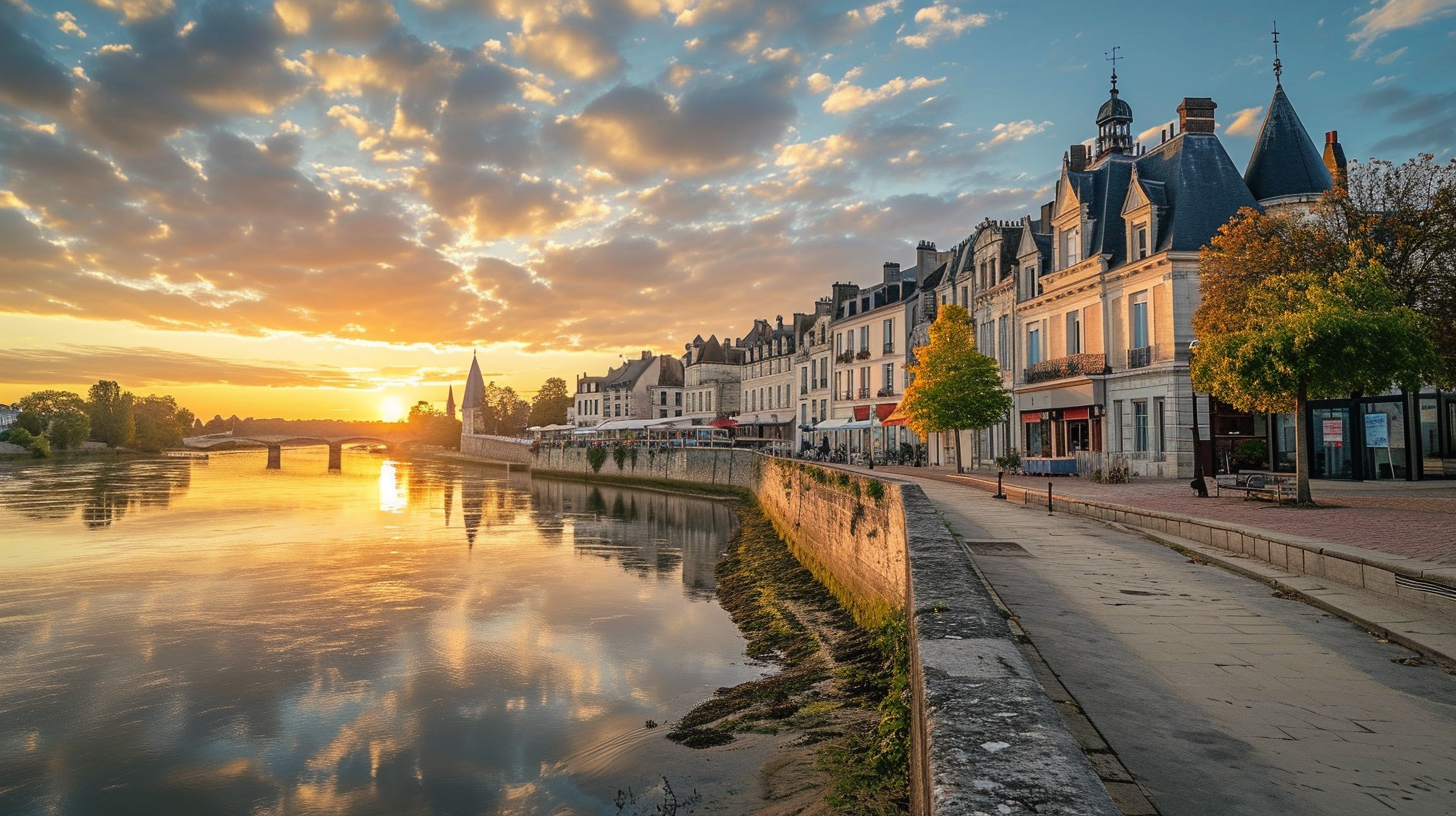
(1052, 438)
(1385, 437)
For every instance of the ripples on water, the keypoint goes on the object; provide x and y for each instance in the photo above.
(187, 636)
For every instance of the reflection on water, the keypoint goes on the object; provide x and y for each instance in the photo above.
(236, 640)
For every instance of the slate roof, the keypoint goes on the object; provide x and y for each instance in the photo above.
(935, 278)
(1285, 162)
(474, 386)
(1201, 187)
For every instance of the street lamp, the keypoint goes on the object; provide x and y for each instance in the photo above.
(1198, 483)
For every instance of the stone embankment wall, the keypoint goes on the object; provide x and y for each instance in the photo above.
(733, 467)
(496, 448)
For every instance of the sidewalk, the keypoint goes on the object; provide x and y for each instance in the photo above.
(1411, 527)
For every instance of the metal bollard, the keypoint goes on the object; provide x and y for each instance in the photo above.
(1000, 494)
(1049, 498)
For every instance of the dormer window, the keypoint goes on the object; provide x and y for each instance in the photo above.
(1140, 231)
(1070, 248)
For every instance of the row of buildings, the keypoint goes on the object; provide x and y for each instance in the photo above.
(1086, 305)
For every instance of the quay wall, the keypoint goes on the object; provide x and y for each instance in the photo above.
(496, 448)
(985, 737)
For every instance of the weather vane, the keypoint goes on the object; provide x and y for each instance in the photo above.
(1278, 66)
(1113, 59)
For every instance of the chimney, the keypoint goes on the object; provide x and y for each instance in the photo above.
(1195, 115)
(892, 273)
(1335, 158)
(1076, 158)
(1045, 225)
(843, 293)
(646, 355)
(924, 259)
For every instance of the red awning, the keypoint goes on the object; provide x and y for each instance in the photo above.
(884, 409)
(723, 422)
(895, 418)
(861, 412)
(1076, 413)
(1031, 416)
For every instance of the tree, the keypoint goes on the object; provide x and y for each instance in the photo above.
(1404, 217)
(955, 387)
(502, 413)
(549, 405)
(113, 420)
(160, 423)
(1274, 334)
(59, 415)
(430, 424)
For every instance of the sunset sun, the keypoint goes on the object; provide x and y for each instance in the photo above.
(392, 409)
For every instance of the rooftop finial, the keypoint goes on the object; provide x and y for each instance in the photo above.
(1113, 59)
(1278, 66)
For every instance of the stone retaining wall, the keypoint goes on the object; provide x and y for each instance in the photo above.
(496, 449)
(716, 466)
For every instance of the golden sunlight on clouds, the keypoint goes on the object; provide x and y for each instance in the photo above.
(1246, 122)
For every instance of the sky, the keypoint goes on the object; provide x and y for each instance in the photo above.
(323, 209)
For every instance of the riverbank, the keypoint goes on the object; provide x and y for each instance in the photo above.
(840, 689)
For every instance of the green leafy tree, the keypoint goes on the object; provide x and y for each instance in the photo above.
(112, 412)
(955, 388)
(1273, 335)
(502, 412)
(1403, 216)
(549, 405)
(59, 415)
(19, 436)
(160, 423)
(430, 424)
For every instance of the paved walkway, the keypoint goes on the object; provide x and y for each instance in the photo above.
(1409, 519)
(1219, 697)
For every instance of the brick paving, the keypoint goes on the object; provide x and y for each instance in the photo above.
(1409, 519)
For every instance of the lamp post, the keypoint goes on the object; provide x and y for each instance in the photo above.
(1198, 483)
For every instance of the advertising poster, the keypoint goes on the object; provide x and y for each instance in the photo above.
(1334, 431)
(1377, 431)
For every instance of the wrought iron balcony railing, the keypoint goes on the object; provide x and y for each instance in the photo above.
(1140, 357)
(1073, 365)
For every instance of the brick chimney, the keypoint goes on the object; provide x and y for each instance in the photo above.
(924, 259)
(892, 273)
(1076, 158)
(1335, 157)
(1195, 115)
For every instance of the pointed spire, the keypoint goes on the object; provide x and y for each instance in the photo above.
(450, 402)
(474, 386)
(1285, 161)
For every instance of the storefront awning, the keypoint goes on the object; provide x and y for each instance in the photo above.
(895, 419)
(884, 409)
(861, 412)
(836, 424)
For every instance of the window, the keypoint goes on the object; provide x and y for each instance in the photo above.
(1138, 319)
(677, 398)
(1003, 342)
(1074, 333)
(838, 344)
(1117, 425)
(804, 379)
(1033, 345)
(1160, 424)
(889, 378)
(864, 382)
(1139, 425)
(864, 338)
(1142, 240)
(1069, 248)
(889, 331)
(965, 297)
(803, 413)
(663, 395)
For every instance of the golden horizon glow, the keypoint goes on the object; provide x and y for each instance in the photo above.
(392, 409)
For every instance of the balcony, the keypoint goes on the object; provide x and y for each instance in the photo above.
(849, 393)
(803, 389)
(864, 393)
(1073, 365)
(889, 348)
(1140, 357)
(846, 357)
(887, 391)
(864, 354)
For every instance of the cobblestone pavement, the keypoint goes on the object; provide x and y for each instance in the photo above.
(1220, 698)
(1410, 519)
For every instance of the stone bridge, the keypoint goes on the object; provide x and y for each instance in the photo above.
(275, 442)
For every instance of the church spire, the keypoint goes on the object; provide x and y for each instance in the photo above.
(450, 403)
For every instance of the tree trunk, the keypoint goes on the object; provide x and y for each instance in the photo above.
(958, 450)
(1302, 449)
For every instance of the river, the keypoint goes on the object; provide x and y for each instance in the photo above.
(208, 636)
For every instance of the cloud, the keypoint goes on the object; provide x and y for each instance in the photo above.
(68, 24)
(1314, 76)
(228, 63)
(1392, 56)
(1016, 131)
(136, 10)
(939, 22)
(353, 20)
(1394, 15)
(144, 367)
(1245, 122)
(28, 77)
(636, 132)
(847, 96)
(1428, 119)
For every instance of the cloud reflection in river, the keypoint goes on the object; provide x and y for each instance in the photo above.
(295, 646)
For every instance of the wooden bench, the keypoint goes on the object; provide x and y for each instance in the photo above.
(1256, 485)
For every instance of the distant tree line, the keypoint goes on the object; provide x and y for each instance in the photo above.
(60, 420)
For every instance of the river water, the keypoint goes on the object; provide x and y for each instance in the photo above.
(211, 637)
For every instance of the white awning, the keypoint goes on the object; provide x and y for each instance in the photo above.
(765, 418)
(833, 424)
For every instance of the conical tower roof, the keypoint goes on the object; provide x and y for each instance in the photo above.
(474, 386)
(1285, 161)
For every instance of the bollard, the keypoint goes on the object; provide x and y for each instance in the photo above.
(1049, 498)
(1000, 494)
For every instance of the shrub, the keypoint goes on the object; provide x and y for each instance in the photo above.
(596, 457)
(619, 455)
(875, 489)
(40, 448)
(20, 436)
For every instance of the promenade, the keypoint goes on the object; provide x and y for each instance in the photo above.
(1204, 693)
